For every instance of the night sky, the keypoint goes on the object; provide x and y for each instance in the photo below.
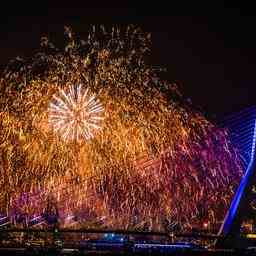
(213, 56)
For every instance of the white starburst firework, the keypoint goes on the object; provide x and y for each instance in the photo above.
(75, 114)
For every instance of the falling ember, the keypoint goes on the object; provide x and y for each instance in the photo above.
(153, 162)
(75, 114)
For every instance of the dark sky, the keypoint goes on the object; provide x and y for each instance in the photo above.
(213, 55)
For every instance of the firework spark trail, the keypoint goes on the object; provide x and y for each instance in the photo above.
(75, 114)
(154, 161)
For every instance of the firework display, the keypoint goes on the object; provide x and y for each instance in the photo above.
(75, 114)
(93, 130)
